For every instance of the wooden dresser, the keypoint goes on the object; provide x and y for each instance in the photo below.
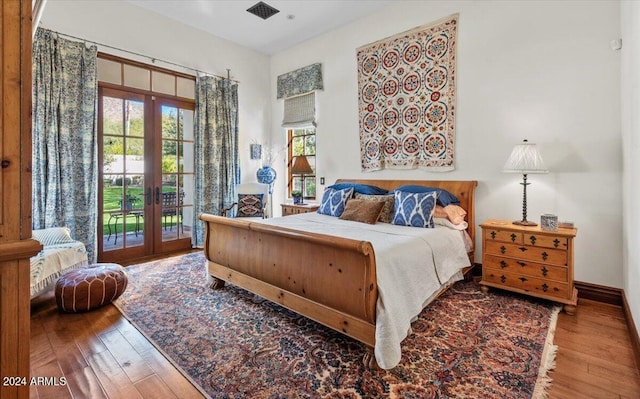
(293, 209)
(529, 260)
(16, 245)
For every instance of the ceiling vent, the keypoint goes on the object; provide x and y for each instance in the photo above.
(263, 10)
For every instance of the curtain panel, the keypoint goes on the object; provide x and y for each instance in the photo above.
(217, 169)
(300, 81)
(65, 175)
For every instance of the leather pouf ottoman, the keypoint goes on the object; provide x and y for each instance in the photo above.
(90, 287)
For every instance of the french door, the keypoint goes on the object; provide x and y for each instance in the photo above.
(146, 174)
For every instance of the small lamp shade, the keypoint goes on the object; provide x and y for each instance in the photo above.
(525, 159)
(301, 166)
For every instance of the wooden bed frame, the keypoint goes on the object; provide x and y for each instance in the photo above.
(328, 279)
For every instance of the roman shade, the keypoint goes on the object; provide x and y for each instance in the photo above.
(300, 111)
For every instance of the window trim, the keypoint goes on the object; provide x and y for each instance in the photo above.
(290, 156)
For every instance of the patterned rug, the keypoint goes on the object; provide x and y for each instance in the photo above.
(233, 344)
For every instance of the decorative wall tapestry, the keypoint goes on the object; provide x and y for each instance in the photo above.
(407, 97)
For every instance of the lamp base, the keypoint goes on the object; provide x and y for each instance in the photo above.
(525, 223)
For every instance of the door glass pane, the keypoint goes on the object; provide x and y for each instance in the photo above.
(134, 118)
(187, 124)
(112, 116)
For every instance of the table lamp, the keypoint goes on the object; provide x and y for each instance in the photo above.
(525, 159)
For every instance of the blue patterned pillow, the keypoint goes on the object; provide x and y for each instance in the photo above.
(444, 197)
(360, 188)
(333, 201)
(414, 209)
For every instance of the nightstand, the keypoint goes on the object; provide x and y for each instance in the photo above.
(529, 260)
(294, 209)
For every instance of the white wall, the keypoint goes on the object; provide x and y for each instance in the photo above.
(630, 84)
(537, 70)
(125, 26)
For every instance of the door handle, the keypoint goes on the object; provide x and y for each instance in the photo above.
(157, 195)
(149, 196)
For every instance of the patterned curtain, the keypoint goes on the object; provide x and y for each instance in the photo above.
(65, 176)
(216, 145)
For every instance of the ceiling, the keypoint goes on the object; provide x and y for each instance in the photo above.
(296, 22)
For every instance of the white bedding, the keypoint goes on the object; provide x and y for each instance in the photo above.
(53, 261)
(412, 264)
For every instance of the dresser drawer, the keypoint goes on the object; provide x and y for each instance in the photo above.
(526, 252)
(504, 236)
(528, 268)
(546, 241)
(527, 283)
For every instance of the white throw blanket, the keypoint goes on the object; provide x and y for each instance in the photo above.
(412, 264)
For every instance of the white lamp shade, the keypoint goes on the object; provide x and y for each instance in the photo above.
(525, 159)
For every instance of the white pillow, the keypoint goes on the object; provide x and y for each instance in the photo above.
(53, 236)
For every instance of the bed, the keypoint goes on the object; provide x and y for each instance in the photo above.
(328, 278)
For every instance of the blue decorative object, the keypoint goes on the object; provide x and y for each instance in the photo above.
(444, 197)
(266, 175)
(334, 201)
(415, 209)
(360, 188)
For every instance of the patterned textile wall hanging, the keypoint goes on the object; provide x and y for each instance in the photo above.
(407, 98)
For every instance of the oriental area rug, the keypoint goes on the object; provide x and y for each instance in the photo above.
(233, 344)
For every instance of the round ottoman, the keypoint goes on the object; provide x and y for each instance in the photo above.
(90, 287)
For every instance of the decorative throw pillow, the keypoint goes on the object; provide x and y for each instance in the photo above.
(250, 205)
(53, 236)
(360, 188)
(414, 209)
(444, 197)
(362, 211)
(386, 216)
(334, 201)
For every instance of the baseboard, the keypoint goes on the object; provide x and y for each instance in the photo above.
(633, 331)
(599, 293)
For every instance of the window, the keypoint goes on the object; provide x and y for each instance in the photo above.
(302, 142)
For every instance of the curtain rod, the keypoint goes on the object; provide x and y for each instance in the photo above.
(153, 59)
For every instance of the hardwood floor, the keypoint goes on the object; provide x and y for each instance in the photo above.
(102, 355)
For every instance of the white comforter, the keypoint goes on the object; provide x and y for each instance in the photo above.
(411, 264)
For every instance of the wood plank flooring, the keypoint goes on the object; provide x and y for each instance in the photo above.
(102, 355)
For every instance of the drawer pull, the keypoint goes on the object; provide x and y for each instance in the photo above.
(503, 249)
(503, 279)
(533, 240)
(556, 242)
(513, 237)
(503, 264)
(523, 279)
(522, 264)
(545, 287)
(544, 271)
(545, 256)
(493, 235)
(523, 249)
(5, 164)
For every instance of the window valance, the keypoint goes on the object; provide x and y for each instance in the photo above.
(300, 81)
